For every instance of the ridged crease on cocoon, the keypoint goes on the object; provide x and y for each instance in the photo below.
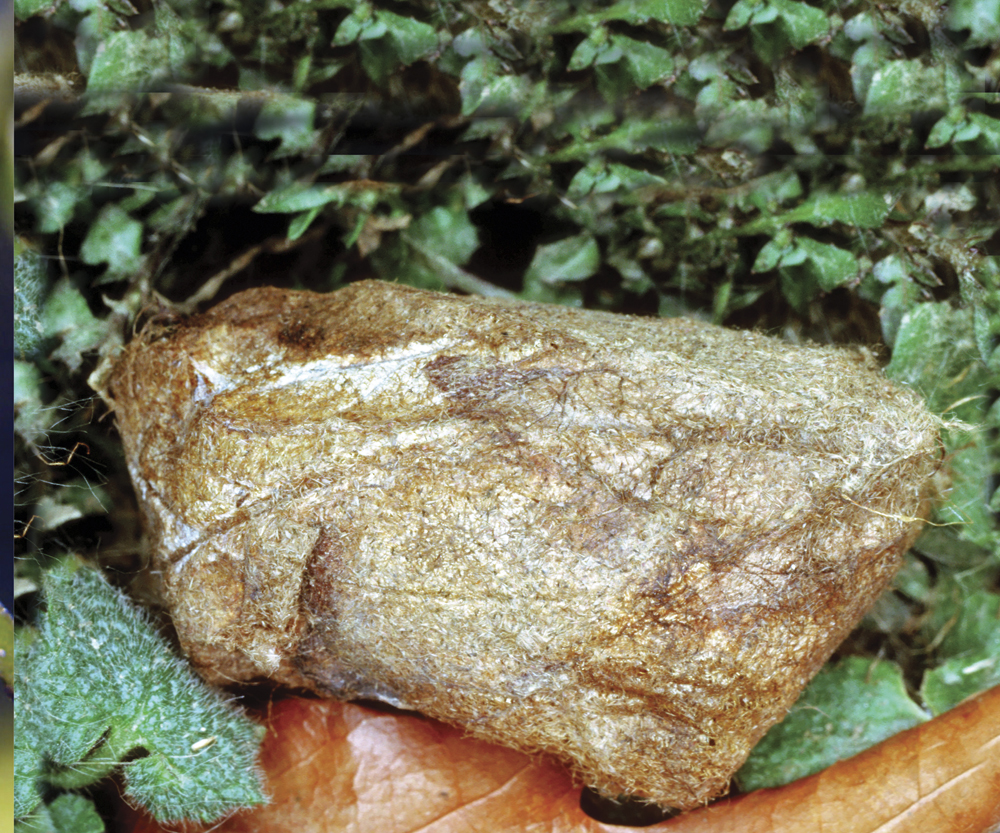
(624, 542)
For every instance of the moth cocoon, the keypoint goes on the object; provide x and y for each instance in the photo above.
(624, 542)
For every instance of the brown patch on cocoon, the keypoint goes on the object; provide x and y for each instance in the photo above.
(625, 542)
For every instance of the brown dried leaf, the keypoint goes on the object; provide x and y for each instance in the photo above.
(343, 767)
(334, 766)
(943, 775)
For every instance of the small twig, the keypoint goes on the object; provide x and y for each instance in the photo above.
(454, 277)
(273, 245)
(415, 137)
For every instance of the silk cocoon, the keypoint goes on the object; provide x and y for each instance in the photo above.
(624, 542)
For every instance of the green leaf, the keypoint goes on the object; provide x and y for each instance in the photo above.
(865, 209)
(385, 40)
(298, 197)
(802, 23)
(744, 122)
(23, 9)
(92, 33)
(799, 288)
(959, 678)
(945, 129)
(412, 40)
(969, 652)
(341, 162)
(28, 756)
(73, 499)
(614, 80)
(57, 203)
(31, 418)
(378, 59)
(770, 191)
(936, 354)
(601, 177)
(970, 465)
(807, 267)
(358, 25)
(572, 259)
(980, 17)
(128, 61)
(634, 136)
(74, 814)
(587, 51)
(449, 233)
(847, 708)
(900, 298)
(486, 89)
(832, 265)
(301, 197)
(913, 579)
(646, 64)
(962, 623)
(67, 317)
(746, 11)
(776, 251)
(99, 684)
(114, 238)
(778, 25)
(300, 224)
(187, 42)
(473, 192)
(675, 12)
(430, 250)
(592, 177)
(987, 131)
(121, 7)
(899, 87)
(289, 119)
(891, 269)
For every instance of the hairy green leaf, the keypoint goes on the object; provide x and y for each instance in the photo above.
(99, 684)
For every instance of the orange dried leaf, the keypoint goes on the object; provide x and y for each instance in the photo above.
(943, 775)
(333, 766)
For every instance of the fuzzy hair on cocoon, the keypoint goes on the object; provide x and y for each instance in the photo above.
(627, 543)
